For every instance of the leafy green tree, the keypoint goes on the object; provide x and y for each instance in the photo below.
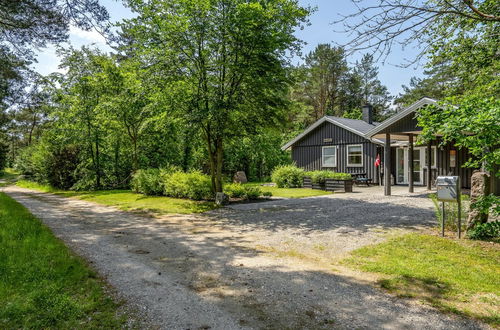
(29, 24)
(80, 112)
(35, 23)
(472, 124)
(228, 57)
(127, 100)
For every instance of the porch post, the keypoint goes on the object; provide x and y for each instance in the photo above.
(387, 165)
(429, 163)
(412, 165)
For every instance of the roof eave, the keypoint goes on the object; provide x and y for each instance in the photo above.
(389, 121)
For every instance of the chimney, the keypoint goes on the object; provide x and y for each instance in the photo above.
(368, 113)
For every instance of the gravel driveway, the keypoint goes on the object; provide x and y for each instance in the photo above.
(264, 265)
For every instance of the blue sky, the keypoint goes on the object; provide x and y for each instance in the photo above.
(321, 30)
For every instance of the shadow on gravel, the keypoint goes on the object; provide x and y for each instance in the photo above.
(216, 266)
(325, 214)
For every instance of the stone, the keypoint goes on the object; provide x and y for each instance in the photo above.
(221, 198)
(240, 177)
(480, 186)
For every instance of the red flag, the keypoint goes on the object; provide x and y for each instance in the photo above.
(377, 161)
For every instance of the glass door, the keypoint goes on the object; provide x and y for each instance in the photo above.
(403, 165)
(400, 167)
(417, 166)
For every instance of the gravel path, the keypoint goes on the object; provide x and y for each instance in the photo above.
(264, 265)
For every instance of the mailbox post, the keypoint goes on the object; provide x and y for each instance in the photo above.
(448, 190)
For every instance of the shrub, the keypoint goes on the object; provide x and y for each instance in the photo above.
(235, 190)
(489, 230)
(238, 190)
(148, 182)
(252, 192)
(321, 176)
(193, 185)
(267, 194)
(288, 176)
(487, 204)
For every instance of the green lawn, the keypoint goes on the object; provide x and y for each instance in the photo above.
(457, 276)
(290, 192)
(128, 200)
(42, 284)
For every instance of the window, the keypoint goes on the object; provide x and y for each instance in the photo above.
(355, 155)
(329, 157)
(433, 157)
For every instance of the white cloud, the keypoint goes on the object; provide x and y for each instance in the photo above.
(85, 37)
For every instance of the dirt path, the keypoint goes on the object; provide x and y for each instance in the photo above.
(226, 271)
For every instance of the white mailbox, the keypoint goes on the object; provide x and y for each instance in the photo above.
(448, 188)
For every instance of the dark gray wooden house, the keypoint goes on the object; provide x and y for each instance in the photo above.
(338, 144)
(412, 164)
(351, 146)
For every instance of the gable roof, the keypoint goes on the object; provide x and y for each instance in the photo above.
(359, 127)
(400, 115)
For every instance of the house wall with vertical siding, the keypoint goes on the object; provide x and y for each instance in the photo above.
(307, 153)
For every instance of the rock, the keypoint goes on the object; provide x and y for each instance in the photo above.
(480, 186)
(240, 177)
(221, 198)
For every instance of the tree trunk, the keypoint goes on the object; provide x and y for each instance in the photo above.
(135, 158)
(98, 165)
(219, 159)
(215, 155)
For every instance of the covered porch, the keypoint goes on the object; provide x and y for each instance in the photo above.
(411, 164)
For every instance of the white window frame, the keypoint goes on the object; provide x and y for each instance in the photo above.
(434, 152)
(323, 156)
(362, 156)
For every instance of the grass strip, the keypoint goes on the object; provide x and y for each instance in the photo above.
(127, 200)
(44, 285)
(290, 192)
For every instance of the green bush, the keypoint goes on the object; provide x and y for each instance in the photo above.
(252, 192)
(267, 194)
(192, 185)
(288, 176)
(489, 230)
(148, 182)
(487, 204)
(321, 176)
(238, 190)
(235, 190)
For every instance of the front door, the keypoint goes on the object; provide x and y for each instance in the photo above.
(403, 166)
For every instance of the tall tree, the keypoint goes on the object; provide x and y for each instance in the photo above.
(372, 90)
(229, 57)
(33, 24)
(390, 23)
(81, 112)
(127, 100)
(324, 69)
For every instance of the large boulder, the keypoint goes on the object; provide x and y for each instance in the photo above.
(240, 177)
(480, 186)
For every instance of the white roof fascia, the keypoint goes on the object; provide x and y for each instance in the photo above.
(319, 122)
(400, 115)
(301, 135)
